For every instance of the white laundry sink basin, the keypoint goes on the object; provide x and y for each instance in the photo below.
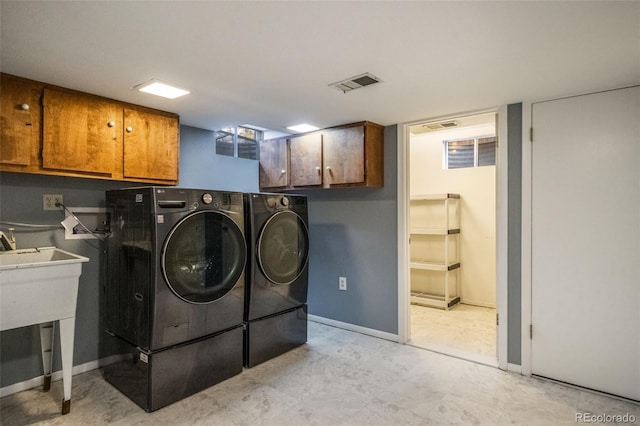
(38, 285)
(37, 257)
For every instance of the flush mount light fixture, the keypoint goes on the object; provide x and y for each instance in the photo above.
(159, 88)
(301, 128)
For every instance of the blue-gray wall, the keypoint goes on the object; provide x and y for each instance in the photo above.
(200, 167)
(353, 233)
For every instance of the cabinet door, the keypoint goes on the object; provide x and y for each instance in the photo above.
(81, 133)
(20, 118)
(306, 160)
(343, 151)
(273, 163)
(150, 146)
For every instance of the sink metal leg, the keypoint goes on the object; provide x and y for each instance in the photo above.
(47, 333)
(66, 406)
(67, 328)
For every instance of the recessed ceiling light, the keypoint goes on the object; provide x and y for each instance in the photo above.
(158, 88)
(301, 128)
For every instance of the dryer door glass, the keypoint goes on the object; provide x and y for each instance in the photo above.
(203, 257)
(283, 247)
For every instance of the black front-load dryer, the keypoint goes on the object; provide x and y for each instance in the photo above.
(278, 244)
(176, 264)
(277, 275)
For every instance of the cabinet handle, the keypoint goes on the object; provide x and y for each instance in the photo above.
(129, 129)
(111, 123)
(25, 107)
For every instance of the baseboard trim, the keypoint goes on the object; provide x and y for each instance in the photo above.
(358, 329)
(478, 304)
(57, 375)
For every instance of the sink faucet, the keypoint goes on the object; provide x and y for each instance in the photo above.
(8, 242)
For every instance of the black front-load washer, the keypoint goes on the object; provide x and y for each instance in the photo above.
(277, 275)
(176, 273)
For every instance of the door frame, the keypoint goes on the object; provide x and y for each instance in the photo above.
(526, 248)
(404, 288)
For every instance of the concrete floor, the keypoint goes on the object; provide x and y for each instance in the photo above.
(465, 331)
(338, 378)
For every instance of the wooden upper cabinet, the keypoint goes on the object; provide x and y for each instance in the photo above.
(151, 147)
(52, 130)
(20, 121)
(354, 155)
(347, 155)
(344, 155)
(273, 163)
(306, 160)
(81, 133)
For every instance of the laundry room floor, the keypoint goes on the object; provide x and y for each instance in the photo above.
(338, 378)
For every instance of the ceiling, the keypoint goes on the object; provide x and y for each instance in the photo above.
(270, 64)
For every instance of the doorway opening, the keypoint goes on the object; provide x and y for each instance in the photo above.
(451, 209)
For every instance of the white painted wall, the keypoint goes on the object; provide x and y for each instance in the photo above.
(477, 189)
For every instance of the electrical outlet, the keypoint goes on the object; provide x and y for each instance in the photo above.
(342, 283)
(49, 201)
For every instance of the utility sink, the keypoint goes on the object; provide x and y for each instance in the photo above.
(40, 286)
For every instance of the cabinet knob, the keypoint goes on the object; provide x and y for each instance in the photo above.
(318, 168)
(111, 123)
(283, 172)
(328, 168)
(25, 107)
(129, 129)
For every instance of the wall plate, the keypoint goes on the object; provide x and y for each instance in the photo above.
(97, 219)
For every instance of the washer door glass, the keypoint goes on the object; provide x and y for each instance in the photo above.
(283, 247)
(203, 257)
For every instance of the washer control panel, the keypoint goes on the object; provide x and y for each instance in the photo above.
(278, 202)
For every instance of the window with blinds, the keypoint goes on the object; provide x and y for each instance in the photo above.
(471, 152)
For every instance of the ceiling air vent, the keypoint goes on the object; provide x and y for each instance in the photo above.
(356, 82)
(441, 125)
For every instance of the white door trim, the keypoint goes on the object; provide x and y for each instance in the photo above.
(502, 226)
(525, 317)
(404, 289)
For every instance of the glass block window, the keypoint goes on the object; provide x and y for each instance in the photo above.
(471, 152)
(460, 153)
(487, 151)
